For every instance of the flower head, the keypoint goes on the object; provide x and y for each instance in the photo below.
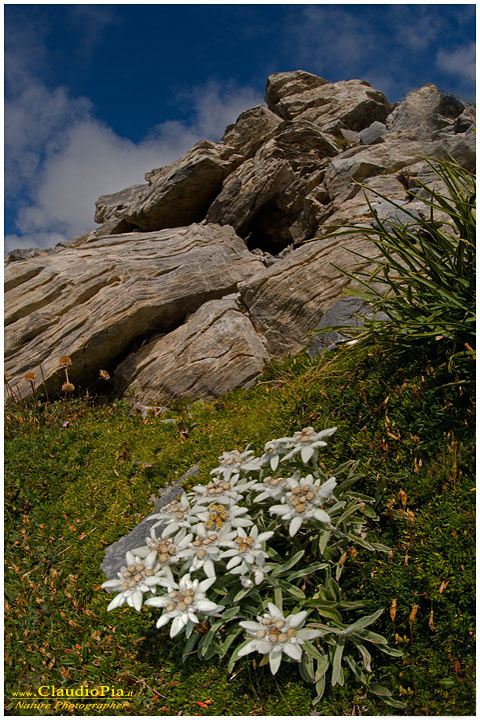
(136, 578)
(271, 488)
(226, 492)
(183, 602)
(235, 462)
(217, 517)
(167, 549)
(303, 500)
(205, 549)
(247, 552)
(306, 443)
(275, 635)
(174, 516)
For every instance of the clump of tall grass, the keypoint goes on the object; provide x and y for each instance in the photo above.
(423, 285)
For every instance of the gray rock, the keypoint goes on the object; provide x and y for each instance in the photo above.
(350, 136)
(115, 554)
(373, 134)
(287, 301)
(343, 312)
(391, 215)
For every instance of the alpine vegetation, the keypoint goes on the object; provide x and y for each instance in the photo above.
(251, 563)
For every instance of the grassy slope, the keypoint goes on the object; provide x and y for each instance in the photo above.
(72, 491)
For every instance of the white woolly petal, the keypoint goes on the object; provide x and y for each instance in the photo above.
(142, 552)
(278, 509)
(112, 583)
(250, 625)
(249, 647)
(117, 601)
(293, 651)
(297, 619)
(150, 560)
(206, 605)
(205, 584)
(274, 610)
(158, 601)
(259, 577)
(129, 558)
(321, 515)
(163, 620)
(275, 659)
(295, 525)
(274, 462)
(308, 634)
(137, 598)
(153, 580)
(233, 562)
(178, 624)
(171, 528)
(209, 569)
(265, 536)
(306, 453)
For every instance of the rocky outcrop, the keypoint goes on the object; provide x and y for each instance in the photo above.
(198, 276)
(351, 104)
(96, 302)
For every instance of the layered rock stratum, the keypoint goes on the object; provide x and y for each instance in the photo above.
(220, 261)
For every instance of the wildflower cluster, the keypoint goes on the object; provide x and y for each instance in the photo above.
(250, 563)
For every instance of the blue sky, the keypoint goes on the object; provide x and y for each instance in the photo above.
(96, 95)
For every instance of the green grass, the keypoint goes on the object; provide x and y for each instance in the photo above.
(72, 491)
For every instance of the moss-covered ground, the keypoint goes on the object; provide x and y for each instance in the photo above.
(72, 490)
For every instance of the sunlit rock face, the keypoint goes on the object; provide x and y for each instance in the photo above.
(197, 277)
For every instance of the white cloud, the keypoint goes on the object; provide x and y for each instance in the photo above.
(459, 62)
(65, 158)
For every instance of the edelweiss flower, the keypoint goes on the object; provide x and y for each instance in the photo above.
(166, 549)
(247, 553)
(272, 488)
(175, 515)
(204, 550)
(306, 442)
(275, 634)
(183, 602)
(234, 462)
(303, 501)
(274, 450)
(226, 492)
(216, 517)
(139, 576)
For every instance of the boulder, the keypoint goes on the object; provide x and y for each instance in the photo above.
(424, 111)
(214, 351)
(250, 130)
(176, 195)
(351, 104)
(97, 301)
(373, 133)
